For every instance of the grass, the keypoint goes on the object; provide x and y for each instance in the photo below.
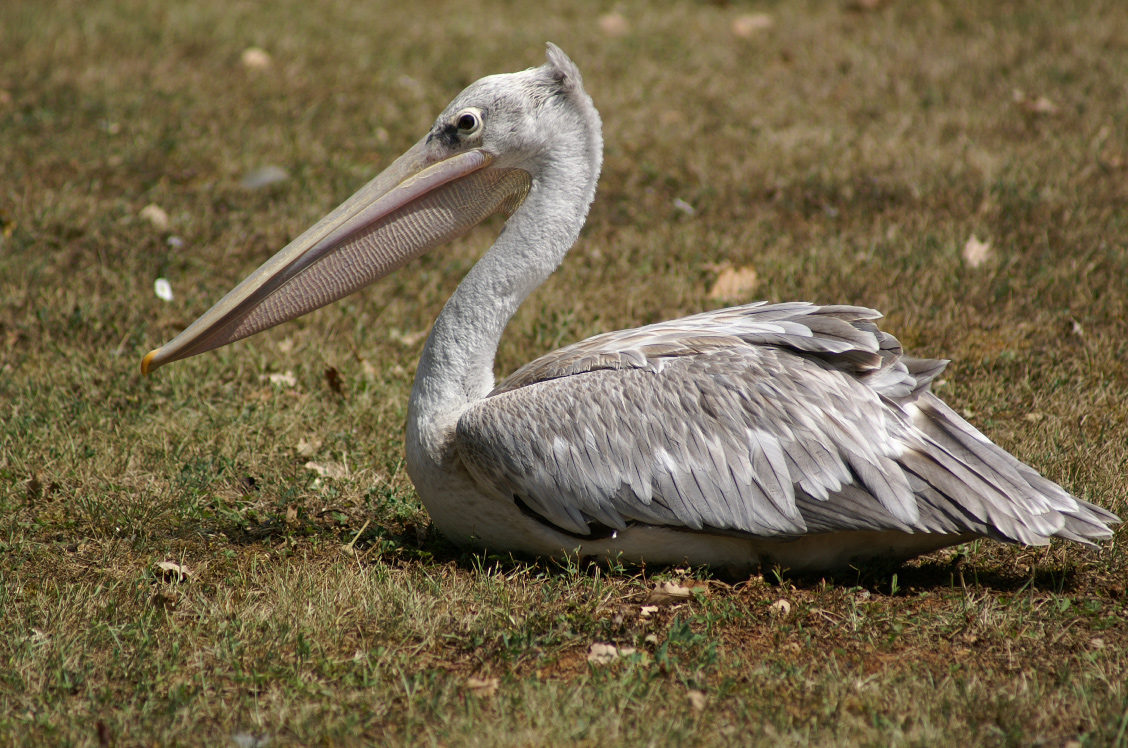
(847, 154)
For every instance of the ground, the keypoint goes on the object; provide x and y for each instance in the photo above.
(961, 166)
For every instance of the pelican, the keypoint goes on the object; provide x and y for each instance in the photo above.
(786, 434)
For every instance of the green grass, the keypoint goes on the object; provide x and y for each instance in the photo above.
(847, 155)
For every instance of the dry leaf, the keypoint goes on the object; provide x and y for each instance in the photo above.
(256, 58)
(865, 6)
(291, 514)
(264, 176)
(746, 27)
(482, 687)
(286, 380)
(247, 740)
(697, 699)
(667, 593)
(155, 215)
(173, 570)
(34, 488)
(734, 284)
(1035, 104)
(308, 447)
(780, 609)
(407, 338)
(613, 24)
(605, 654)
(975, 252)
(328, 469)
(1034, 417)
(333, 379)
(647, 610)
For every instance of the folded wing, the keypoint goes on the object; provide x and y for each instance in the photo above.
(764, 420)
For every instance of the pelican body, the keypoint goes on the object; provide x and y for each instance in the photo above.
(787, 434)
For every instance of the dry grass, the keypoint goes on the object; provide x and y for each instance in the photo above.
(847, 155)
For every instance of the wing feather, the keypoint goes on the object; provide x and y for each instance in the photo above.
(766, 420)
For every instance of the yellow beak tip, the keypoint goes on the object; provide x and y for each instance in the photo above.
(147, 362)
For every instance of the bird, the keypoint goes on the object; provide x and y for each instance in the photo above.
(788, 435)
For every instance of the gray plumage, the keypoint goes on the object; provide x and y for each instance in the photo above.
(772, 421)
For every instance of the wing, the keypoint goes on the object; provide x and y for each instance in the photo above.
(766, 420)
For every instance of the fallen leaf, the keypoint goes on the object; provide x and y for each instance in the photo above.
(865, 6)
(975, 252)
(407, 338)
(734, 284)
(155, 215)
(746, 27)
(286, 380)
(247, 740)
(171, 569)
(264, 176)
(697, 699)
(291, 514)
(668, 593)
(333, 379)
(647, 610)
(1035, 104)
(482, 687)
(1034, 417)
(34, 488)
(328, 469)
(780, 609)
(683, 206)
(163, 289)
(308, 447)
(256, 58)
(613, 24)
(605, 654)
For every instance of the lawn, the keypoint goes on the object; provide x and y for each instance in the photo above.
(230, 552)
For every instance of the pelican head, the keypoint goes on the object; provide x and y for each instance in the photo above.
(488, 149)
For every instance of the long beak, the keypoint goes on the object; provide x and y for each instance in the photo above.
(416, 204)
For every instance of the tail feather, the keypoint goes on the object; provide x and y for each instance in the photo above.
(987, 490)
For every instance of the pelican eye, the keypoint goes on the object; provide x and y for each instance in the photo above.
(468, 123)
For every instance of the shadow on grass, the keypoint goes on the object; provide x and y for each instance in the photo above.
(400, 544)
(894, 579)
